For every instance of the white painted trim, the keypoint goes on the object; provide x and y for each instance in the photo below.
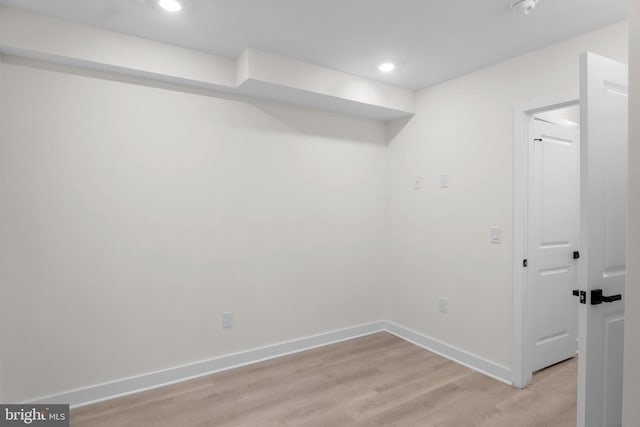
(520, 161)
(126, 386)
(522, 340)
(477, 363)
(97, 393)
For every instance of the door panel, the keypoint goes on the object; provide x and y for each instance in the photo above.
(614, 356)
(558, 181)
(553, 236)
(615, 99)
(604, 185)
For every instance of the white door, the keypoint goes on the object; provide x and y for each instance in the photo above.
(554, 232)
(604, 120)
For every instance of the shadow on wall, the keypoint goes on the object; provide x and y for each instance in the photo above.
(394, 127)
(324, 124)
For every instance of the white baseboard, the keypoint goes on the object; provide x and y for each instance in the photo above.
(151, 380)
(484, 366)
(126, 386)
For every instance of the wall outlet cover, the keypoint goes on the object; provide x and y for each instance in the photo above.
(443, 305)
(417, 182)
(227, 320)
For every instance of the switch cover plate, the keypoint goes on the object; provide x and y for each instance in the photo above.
(495, 235)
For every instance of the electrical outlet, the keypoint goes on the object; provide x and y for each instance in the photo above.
(443, 305)
(227, 320)
(417, 182)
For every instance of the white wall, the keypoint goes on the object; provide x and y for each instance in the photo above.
(439, 238)
(631, 409)
(132, 216)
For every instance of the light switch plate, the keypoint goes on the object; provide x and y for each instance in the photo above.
(495, 235)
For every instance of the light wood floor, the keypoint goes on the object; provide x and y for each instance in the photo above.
(370, 381)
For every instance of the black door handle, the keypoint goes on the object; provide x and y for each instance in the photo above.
(598, 298)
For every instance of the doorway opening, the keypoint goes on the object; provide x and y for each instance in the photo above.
(602, 253)
(546, 235)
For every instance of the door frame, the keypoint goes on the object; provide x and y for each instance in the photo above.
(522, 342)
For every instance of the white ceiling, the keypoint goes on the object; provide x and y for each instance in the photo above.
(429, 40)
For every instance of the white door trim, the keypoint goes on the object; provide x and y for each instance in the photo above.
(522, 343)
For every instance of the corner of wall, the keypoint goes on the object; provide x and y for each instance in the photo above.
(242, 68)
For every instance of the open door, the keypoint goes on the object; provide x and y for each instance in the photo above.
(554, 234)
(602, 271)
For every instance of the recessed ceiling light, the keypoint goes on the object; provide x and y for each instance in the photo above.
(170, 5)
(387, 67)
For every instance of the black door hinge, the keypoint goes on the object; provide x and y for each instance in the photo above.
(525, 263)
(576, 255)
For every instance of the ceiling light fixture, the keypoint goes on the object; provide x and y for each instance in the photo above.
(170, 5)
(524, 7)
(387, 67)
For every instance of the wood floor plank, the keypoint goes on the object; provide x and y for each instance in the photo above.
(376, 380)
